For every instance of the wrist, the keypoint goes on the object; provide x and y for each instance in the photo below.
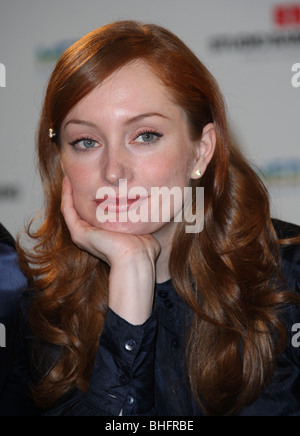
(131, 290)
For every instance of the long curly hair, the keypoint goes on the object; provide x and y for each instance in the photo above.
(229, 274)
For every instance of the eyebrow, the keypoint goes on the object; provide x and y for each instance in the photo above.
(127, 122)
(147, 115)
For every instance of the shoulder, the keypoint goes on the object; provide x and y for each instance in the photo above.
(12, 281)
(6, 238)
(290, 254)
(12, 285)
(286, 230)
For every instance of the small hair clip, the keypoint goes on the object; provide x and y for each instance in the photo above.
(52, 134)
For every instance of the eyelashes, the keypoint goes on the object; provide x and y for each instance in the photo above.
(85, 144)
(144, 137)
(148, 136)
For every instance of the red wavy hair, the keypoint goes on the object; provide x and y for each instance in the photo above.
(228, 274)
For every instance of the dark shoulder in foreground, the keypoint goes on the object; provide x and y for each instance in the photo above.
(290, 254)
(5, 237)
(14, 373)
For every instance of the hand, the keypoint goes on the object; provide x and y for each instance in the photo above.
(131, 258)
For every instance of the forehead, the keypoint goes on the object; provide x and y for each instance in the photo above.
(133, 88)
(137, 73)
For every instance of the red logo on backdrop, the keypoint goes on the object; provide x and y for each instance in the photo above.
(287, 15)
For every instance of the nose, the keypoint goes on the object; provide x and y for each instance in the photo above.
(116, 166)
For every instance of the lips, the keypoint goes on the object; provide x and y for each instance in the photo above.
(118, 204)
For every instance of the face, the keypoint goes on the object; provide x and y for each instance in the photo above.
(128, 135)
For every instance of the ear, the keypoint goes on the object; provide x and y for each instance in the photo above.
(205, 149)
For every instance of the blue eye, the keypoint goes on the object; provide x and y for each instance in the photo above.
(148, 137)
(88, 143)
(84, 144)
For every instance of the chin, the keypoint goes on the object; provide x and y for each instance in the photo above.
(137, 229)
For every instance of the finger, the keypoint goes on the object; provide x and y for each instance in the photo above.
(67, 203)
(74, 223)
(83, 235)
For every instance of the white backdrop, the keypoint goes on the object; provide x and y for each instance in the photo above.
(250, 47)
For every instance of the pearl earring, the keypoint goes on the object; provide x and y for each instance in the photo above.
(198, 173)
(52, 134)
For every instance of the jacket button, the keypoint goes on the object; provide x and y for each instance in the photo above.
(130, 400)
(130, 345)
(163, 294)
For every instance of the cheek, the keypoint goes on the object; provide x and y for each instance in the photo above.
(84, 193)
(81, 178)
(169, 170)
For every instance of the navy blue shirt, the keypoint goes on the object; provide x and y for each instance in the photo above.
(140, 370)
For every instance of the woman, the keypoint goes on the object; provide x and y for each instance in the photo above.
(141, 316)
